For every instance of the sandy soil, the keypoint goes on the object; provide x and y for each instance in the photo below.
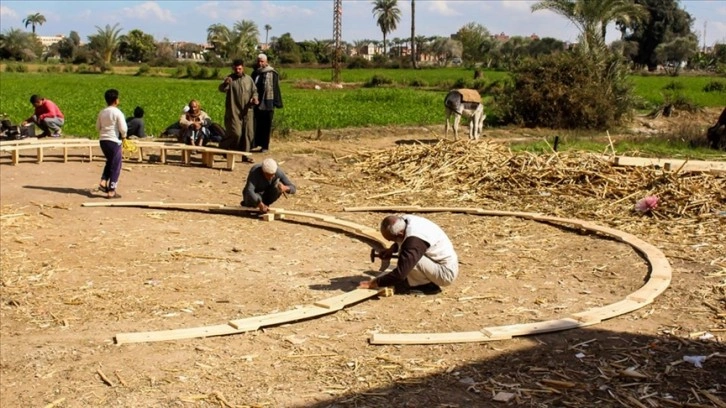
(73, 277)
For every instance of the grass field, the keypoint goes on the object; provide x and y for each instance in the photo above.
(80, 96)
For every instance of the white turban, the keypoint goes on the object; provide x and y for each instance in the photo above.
(269, 166)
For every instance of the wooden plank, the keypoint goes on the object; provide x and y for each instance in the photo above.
(175, 334)
(376, 209)
(648, 292)
(346, 299)
(526, 329)
(429, 338)
(111, 203)
(256, 322)
(189, 205)
(598, 314)
(671, 164)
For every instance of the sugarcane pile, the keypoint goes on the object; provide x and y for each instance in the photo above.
(573, 183)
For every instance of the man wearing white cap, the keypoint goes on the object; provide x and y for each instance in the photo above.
(265, 183)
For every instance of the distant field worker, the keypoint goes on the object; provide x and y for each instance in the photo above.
(239, 110)
(47, 116)
(426, 256)
(112, 128)
(266, 182)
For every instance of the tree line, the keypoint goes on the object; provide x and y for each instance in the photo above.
(654, 33)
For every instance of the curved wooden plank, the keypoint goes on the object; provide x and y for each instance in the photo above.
(254, 322)
(658, 280)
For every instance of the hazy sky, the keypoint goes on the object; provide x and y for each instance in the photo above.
(312, 19)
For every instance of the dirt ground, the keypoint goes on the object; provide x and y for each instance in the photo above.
(73, 277)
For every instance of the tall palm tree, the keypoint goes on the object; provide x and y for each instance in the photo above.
(106, 40)
(17, 44)
(245, 38)
(414, 58)
(592, 17)
(267, 32)
(33, 20)
(387, 16)
(219, 36)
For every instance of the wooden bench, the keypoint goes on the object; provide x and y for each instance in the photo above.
(208, 153)
(14, 147)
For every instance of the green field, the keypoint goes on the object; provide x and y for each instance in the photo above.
(655, 89)
(80, 96)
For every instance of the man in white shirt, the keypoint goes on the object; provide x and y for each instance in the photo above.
(112, 128)
(426, 256)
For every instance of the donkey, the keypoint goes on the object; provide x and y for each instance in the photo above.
(465, 102)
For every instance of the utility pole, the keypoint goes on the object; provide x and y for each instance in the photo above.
(337, 34)
(704, 36)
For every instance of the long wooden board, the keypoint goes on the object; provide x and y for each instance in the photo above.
(248, 324)
(671, 164)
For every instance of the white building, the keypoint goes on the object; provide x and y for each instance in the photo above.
(47, 40)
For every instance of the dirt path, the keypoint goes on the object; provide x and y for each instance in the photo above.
(73, 277)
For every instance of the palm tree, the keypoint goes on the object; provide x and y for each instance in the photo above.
(414, 59)
(33, 20)
(18, 45)
(107, 41)
(219, 36)
(267, 32)
(387, 16)
(591, 17)
(245, 39)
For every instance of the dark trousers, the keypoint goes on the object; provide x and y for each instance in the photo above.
(269, 196)
(112, 169)
(263, 128)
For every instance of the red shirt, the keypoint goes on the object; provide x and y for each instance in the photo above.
(48, 109)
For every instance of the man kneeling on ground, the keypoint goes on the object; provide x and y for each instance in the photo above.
(46, 116)
(265, 183)
(426, 256)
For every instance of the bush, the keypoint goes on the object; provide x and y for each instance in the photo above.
(68, 68)
(568, 91)
(715, 86)
(378, 80)
(417, 83)
(16, 67)
(193, 70)
(144, 69)
(53, 68)
(84, 69)
(673, 86)
(461, 83)
(180, 72)
(358, 63)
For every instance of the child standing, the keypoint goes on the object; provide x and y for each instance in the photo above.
(112, 128)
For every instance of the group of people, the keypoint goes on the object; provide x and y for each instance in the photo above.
(249, 106)
(427, 260)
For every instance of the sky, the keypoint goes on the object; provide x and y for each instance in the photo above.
(313, 19)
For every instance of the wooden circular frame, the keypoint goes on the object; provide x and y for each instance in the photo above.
(658, 280)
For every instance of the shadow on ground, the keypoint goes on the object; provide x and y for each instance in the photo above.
(575, 368)
(68, 190)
